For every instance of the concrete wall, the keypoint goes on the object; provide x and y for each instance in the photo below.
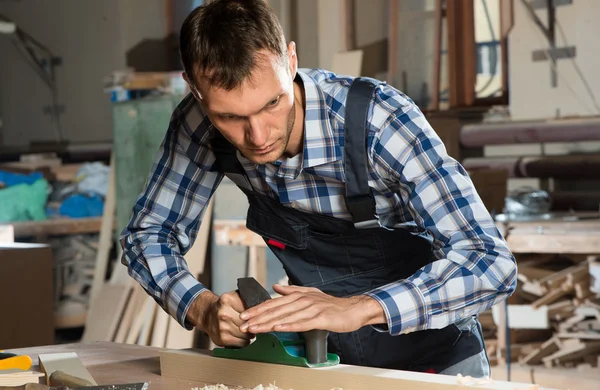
(531, 94)
(93, 39)
(416, 22)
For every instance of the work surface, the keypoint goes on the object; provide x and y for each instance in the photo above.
(113, 363)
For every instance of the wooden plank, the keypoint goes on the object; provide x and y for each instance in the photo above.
(184, 365)
(106, 235)
(139, 319)
(57, 227)
(554, 242)
(67, 362)
(547, 348)
(579, 335)
(177, 336)
(161, 327)
(105, 313)
(528, 317)
(257, 264)
(19, 377)
(136, 300)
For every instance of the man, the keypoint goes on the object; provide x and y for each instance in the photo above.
(385, 241)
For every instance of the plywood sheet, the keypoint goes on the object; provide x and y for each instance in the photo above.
(27, 301)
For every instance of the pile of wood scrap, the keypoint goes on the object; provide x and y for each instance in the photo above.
(74, 261)
(557, 319)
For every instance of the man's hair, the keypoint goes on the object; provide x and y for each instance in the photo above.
(219, 41)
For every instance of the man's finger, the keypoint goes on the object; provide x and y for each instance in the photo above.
(231, 315)
(279, 312)
(234, 300)
(292, 314)
(300, 326)
(269, 305)
(237, 304)
(285, 290)
(229, 328)
(232, 341)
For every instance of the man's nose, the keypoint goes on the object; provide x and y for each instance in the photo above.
(257, 132)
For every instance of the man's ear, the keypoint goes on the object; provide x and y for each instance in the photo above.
(192, 86)
(292, 58)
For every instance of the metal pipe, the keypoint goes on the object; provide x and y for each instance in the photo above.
(575, 200)
(581, 166)
(567, 130)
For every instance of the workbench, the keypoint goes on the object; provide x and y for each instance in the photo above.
(112, 363)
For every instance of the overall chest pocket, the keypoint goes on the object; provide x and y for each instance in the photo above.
(343, 256)
(313, 257)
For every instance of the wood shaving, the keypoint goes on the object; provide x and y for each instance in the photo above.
(259, 387)
(223, 387)
(469, 380)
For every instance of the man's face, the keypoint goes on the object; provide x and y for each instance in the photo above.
(258, 116)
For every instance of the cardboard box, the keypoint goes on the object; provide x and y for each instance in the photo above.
(26, 302)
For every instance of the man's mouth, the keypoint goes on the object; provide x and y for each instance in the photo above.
(264, 150)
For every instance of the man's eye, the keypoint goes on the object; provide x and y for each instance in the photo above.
(228, 117)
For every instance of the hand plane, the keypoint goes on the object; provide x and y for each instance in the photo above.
(305, 349)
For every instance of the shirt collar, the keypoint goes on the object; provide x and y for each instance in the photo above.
(320, 144)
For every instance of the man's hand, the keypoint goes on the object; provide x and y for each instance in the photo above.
(301, 309)
(219, 317)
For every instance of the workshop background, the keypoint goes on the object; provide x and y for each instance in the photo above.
(86, 92)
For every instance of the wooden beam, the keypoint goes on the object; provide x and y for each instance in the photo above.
(554, 242)
(462, 60)
(506, 25)
(57, 227)
(349, 25)
(437, 56)
(393, 12)
(200, 366)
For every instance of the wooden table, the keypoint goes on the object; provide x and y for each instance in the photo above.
(113, 363)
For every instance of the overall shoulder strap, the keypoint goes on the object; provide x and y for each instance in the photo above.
(225, 155)
(226, 161)
(359, 198)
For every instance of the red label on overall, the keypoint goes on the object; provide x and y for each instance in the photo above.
(276, 244)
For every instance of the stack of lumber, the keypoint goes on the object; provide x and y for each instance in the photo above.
(122, 311)
(557, 321)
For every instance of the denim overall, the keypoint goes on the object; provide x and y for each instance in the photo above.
(344, 258)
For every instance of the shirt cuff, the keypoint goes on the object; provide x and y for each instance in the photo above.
(404, 306)
(180, 292)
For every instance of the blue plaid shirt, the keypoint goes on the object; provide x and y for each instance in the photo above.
(416, 185)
